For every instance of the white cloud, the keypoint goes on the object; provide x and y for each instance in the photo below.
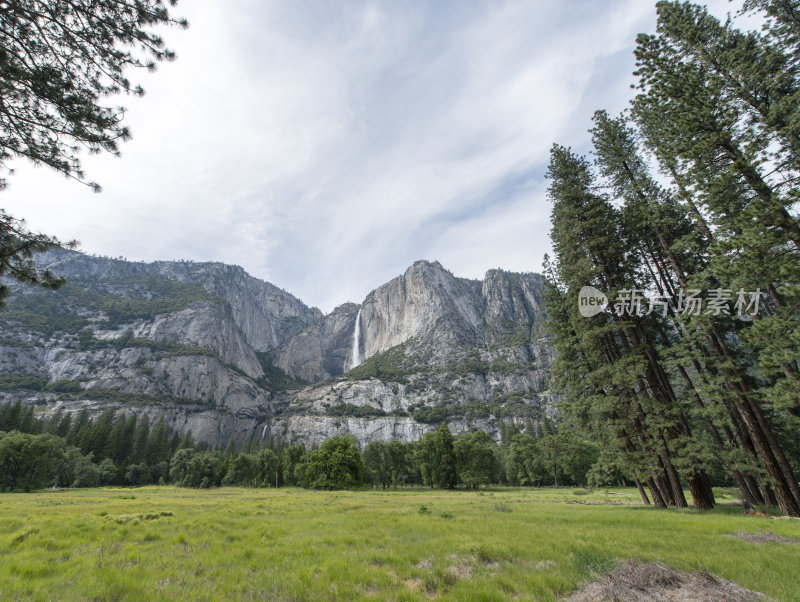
(325, 148)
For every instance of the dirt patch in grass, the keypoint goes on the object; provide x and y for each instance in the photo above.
(545, 565)
(370, 589)
(763, 537)
(652, 582)
(462, 570)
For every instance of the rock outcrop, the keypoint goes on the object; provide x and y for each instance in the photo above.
(212, 349)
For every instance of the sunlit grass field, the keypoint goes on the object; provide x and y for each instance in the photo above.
(292, 544)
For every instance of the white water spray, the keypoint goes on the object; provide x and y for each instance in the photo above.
(264, 431)
(356, 353)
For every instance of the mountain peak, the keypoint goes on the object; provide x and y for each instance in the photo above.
(423, 264)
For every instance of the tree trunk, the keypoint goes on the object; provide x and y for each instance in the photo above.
(658, 499)
(702, 494)
(642, 492)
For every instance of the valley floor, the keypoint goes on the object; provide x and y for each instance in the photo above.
(292, 544)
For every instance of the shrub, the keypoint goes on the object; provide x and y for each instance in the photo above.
(24, 382)
(335, 465)
(63, 386)
(349, 409)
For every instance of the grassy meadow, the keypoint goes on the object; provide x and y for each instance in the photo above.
(293, 544)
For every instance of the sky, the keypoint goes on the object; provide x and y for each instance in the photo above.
(326, 146)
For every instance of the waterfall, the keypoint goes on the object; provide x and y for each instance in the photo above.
(356, 353)
(264, 431)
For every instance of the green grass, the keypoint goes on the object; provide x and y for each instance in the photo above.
(292, 544)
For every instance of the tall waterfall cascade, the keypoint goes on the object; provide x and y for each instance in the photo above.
(356, 353)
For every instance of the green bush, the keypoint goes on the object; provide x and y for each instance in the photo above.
(336, 464)
(22, 382)
(349, 409)
(386, 366)
(431, 415)
(472, 366)
(63, 386)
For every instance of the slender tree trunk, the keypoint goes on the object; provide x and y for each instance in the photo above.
(657, 490)
(674, 480)
(642, 492)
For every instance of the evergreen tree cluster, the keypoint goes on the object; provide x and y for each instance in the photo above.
(73, 450)
(692, 195)
(113, 449)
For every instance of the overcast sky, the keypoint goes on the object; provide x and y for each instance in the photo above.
(325, 146)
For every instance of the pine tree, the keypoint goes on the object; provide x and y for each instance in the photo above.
(141, 438)
(158, 444)
(444, 471)
(60, 59)
(64, 425)
(95, 438)
(591, 395)
(757, 72)
(78, 427)
(782, 24)
(10, 415)
(425, 458)
(622, 356)
(701, 113)
(27, 421)
(188, 441)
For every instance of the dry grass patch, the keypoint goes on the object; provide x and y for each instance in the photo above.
(545, 565)
(632, 581)
(461, 567)
(763, 537)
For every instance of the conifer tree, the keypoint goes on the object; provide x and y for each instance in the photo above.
(674, 255)
(158, 444)
(444, 470)
(715, 130)
(141, 438)
(59, 62)
(78, 427)
(188, 441)
(624, 371)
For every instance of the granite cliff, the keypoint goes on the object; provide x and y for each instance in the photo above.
(214, 350)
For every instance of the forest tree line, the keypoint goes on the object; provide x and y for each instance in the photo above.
(68, 449)
(689, 194)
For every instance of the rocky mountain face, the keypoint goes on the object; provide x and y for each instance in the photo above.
(212, 349)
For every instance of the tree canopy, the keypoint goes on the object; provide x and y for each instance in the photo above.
(676, 389)
(60, 60)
